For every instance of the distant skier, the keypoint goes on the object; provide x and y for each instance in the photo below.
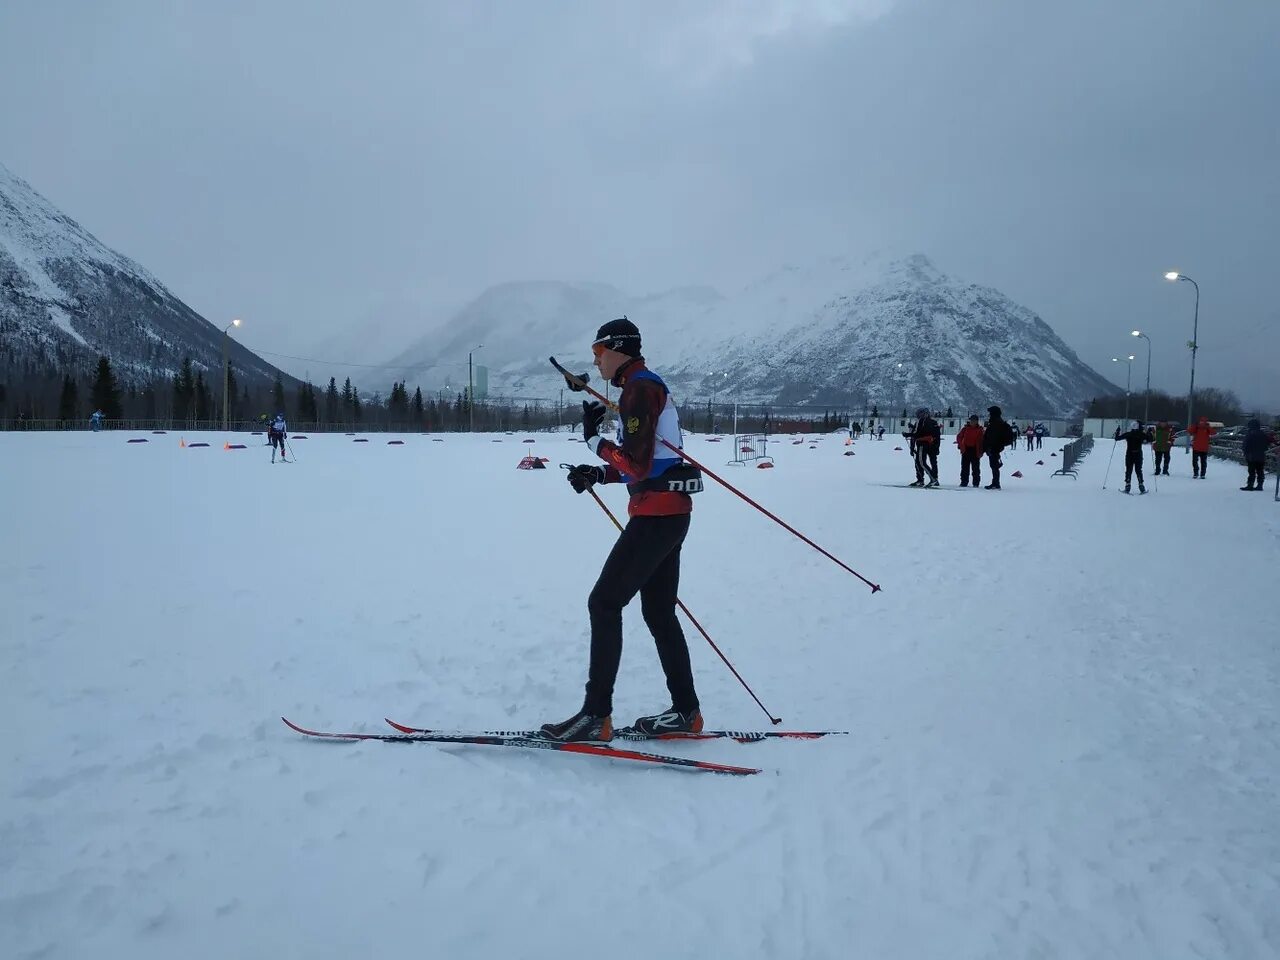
(276, 435)
(1254, 447)
(926, 440)
(1041, 432)
(997, 435)
(1031, 436)
(1134, 438)
(646, 557)
(95, 420)
(1201, 433)
(1161, 446)
(880, 432)
(969, 440)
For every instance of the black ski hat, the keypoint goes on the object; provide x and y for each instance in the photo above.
(621, 335)
(994, 411)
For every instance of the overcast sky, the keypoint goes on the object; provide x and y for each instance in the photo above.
(308, 165)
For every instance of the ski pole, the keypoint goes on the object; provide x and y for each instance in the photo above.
(581, 384)
(293, 456)
(692, 619)
(1109, 459)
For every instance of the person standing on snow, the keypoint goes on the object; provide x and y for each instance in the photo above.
(276, 435)
(1254, 447)
(995, 438)
(926, 441)
(95, 420)
(646, 557)
(880, 432)
(1201, 433)
(969, 440)
(1161, 445)
(1134, 439)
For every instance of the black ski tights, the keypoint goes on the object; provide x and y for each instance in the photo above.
(645, 560)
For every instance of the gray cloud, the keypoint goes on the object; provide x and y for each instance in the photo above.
(303, 165)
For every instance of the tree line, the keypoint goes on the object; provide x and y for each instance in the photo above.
(41, 394)
(1220, 406)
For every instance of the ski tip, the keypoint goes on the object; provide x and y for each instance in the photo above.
(398, 726)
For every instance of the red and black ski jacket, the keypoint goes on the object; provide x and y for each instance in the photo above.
(640, 405)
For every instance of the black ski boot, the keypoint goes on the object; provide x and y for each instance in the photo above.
(670, 720)
(918, 483)
(1126, 488)
(582, 727)
(1142, 487)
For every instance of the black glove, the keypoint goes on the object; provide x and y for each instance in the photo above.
(593, 412)
(584, 475)
(577, 384)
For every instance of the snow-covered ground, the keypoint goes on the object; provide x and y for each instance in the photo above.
(1063, 711)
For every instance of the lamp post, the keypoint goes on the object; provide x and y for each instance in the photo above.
(471, 392)
(1127, 381)
(717, 382)
(1146, 406)
(226, 373)
(1195, 332)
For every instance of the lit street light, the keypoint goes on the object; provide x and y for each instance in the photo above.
(1127, 381)
(1195, 333)
(471, 392)
(1146, 407)
(226, 373)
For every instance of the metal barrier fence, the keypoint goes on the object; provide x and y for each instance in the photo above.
(1073, 453)
(748, 447)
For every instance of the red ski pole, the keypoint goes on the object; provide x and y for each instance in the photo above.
(692, 619)
(579, 383)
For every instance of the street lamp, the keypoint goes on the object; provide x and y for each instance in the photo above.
(1146, 407)
(1195, 333)
(1127, 380)
(226, 373)
(471, 392)
(717, 382)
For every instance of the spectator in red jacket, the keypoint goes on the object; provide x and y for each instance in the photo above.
(969, 440)
(1200, 435)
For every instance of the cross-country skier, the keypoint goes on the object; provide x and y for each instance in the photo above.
(276, 435)
(926, 439)
(646, 557)
(1134, 438)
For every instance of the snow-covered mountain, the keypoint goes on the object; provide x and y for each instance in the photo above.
(65, 298)
(894, 332)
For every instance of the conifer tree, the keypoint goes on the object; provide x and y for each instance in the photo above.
(331, 402)
(105, 394)
(68, 401)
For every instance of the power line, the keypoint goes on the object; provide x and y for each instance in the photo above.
(343, 363)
